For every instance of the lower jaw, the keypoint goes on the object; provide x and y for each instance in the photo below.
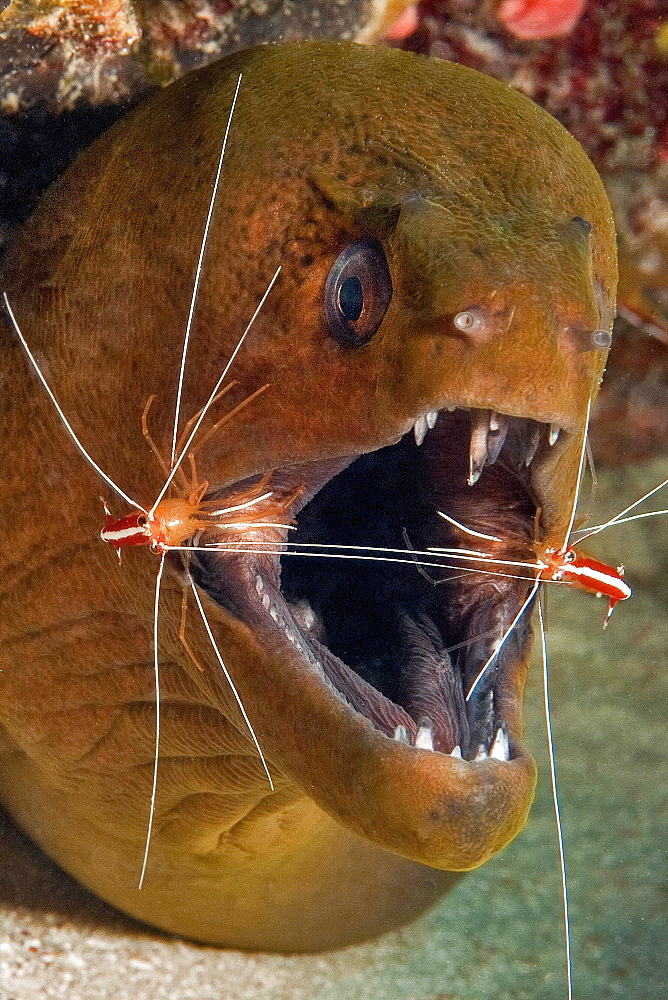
(380, 635)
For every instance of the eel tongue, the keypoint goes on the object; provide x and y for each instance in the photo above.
(432, 688)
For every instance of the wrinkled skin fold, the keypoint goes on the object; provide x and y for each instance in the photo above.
(467, 199)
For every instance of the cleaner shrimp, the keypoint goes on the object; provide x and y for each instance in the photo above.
(170, 520)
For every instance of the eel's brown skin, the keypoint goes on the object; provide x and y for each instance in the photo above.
(471, 190)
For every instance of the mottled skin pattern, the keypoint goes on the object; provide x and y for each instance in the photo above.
(471, 190)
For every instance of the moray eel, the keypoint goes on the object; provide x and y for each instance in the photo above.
(447, 254)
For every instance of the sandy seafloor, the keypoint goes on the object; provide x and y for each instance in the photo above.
(498, 935)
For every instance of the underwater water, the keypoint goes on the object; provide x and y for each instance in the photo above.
(498, 934)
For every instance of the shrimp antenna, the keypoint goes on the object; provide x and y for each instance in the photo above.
(483, 669)
(229, 679)
(578, 484)
(214, 393)
(557, 811)
(66, 424)
(198, 273)
(621, 519)
(469, 531)
(260, 547)
(156, 671)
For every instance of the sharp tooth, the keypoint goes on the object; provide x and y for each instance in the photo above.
(478, 450)
(259, 586)
(401, 735)
(425, 734)
(420, 428)
(482, 753)
(532, 446)
(500, 749)
(431, 418)
(554, 434)
(457, 752)
(498, 428)
(304, 615)
(266, 601)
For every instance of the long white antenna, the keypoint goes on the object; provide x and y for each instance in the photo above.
(229, 680)
(469, 531)
(198, 273)
(156, 672)
(557, 812)
(621, 519)
(578, 483)
(214, 393)
(64, 420)
(241, 547)
(496, 652)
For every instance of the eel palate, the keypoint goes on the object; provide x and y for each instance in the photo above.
(447, 253)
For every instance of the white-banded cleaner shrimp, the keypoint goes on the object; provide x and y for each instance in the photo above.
(170, 519)
(167, 521)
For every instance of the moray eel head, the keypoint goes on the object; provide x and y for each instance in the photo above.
(431, 344)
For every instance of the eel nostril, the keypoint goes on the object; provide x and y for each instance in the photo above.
(468, 321)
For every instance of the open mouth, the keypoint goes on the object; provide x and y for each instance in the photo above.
(401, 635)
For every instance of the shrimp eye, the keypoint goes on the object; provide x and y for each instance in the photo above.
(570, 556)
(358, 291)
(558, 575)
(142, 521)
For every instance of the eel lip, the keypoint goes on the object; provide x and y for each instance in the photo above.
(361, 645)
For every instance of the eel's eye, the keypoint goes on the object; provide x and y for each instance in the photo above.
(358, 291)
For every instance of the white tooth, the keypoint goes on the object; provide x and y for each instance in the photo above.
(498, 429)
(457, 752)
(266, 601)
(481, 754)
(554, 434)
(478, 449)
(532, 447)
(500, 749)
(274, 614)
(401, 735)
(420, 429)
(425, 734)
(259, 586)
(431, 418)
(304, 615)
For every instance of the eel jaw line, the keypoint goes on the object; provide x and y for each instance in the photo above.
(406, 670)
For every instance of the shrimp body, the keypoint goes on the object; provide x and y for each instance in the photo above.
(567, 565)
(171, 523)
